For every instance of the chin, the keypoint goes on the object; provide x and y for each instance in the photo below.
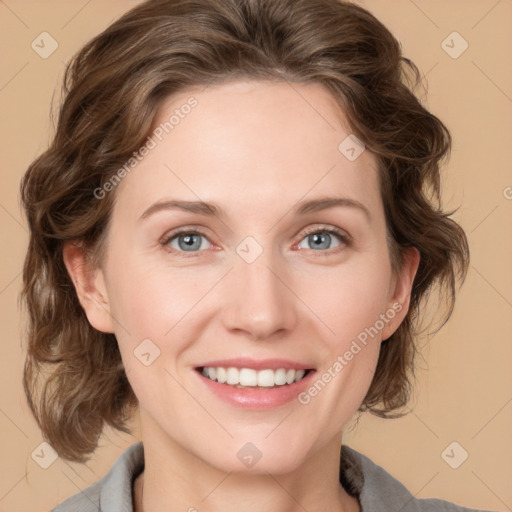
(260, 456)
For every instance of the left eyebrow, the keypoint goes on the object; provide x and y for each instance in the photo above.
(211, 209)
(324, 203)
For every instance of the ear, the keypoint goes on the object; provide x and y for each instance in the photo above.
(90, 286)
(401, 292)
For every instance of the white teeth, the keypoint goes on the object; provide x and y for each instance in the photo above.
(221, 375)
(280, 377)
(299, 374)
(232, 376)
(265, 378)
(248, 377)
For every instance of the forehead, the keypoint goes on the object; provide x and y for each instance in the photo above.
(248, 143)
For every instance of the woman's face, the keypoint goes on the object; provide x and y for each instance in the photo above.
(274, 279)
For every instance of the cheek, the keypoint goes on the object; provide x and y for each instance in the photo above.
(163, 305)
(149, 300)
(351, 299)
(150, 305)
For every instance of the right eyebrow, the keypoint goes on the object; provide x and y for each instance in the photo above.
(200, 207)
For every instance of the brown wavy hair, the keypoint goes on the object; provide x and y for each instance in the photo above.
(73, 377)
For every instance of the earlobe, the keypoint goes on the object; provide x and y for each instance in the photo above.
(89, 285)
(398, 306)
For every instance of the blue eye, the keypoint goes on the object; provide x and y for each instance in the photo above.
(187, 241)
(322, 239)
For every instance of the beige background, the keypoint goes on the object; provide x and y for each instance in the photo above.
(466, 395)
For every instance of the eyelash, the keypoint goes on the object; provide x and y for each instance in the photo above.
(344, 238)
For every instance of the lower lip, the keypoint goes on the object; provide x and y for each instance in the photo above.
(264, 398)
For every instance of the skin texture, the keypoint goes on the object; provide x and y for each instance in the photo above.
(257, 149)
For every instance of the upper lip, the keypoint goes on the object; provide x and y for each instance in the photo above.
(255, 364)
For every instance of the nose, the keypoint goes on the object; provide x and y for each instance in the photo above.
(259, 302)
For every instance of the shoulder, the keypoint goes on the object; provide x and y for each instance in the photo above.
(87, 500)
(378, 490)
(113, 491)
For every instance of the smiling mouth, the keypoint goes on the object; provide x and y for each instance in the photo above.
(253, 379)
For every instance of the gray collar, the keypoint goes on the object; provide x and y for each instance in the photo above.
(375, 488)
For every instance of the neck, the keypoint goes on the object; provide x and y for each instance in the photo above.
(195, 485)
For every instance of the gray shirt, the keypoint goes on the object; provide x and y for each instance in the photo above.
(375, 488)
